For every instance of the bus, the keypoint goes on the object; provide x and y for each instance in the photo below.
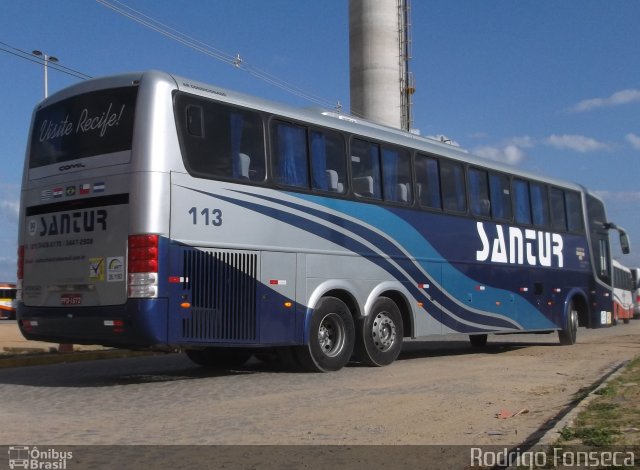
(635, 272)
(623, 288)
(162, 213)
(8, 300)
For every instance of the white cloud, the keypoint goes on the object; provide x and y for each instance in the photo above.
(8, 269)
(618, 98)
(9, 211)
(509, 153)
(579, 143)
(634, 140)
(621, 196)
(10, 203)
(524, 141)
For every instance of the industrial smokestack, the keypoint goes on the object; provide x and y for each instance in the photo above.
(378, 55)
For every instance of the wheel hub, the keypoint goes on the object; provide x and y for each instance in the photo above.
(331, 335)
(383, 332)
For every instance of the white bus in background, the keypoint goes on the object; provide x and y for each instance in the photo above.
(622, 293)
(635, 272)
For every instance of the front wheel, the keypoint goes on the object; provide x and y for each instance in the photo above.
(331, 337)
(380, 334)
(569, 333)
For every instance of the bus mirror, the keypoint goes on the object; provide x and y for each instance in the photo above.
(624, 243)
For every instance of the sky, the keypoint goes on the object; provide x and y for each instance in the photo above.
(545, 86)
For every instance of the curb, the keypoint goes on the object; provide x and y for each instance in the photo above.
(552, 435)
(25, 357)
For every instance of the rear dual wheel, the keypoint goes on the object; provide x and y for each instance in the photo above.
(380, 334)
(331, 337)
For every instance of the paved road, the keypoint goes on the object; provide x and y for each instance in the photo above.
(436, 393)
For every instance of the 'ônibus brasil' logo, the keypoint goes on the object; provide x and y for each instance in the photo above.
(517, 246)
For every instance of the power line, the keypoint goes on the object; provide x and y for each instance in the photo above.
(52, 65)
(193, 43)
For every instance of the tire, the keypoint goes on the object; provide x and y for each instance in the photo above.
(569, 333)
(380, 334)
(331, 337)
(478, 341)
(219, 358)
(626, 321)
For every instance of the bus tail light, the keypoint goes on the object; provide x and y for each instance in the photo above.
(142, 266)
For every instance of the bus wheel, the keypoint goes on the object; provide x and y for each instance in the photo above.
(568, 334)
(219, 358)
(478, 341)
(379, 338)
(331, 337)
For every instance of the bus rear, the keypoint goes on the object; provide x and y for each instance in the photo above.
(90, 226)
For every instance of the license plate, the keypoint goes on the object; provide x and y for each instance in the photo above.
(70, 299)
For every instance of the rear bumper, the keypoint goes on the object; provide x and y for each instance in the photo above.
(137, 324)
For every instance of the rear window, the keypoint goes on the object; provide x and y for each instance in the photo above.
(95, 123)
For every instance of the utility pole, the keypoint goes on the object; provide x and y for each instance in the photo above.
(47, 58)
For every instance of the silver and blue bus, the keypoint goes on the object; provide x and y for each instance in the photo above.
(161, 213)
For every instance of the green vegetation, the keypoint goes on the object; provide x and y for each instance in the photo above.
(613, 417)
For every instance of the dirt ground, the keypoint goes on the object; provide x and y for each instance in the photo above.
(444, 393)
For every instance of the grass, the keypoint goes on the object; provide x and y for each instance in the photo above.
(613, 417)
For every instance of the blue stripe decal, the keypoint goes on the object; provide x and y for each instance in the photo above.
(484, 320)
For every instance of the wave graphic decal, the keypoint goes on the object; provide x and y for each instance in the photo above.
(353, 235)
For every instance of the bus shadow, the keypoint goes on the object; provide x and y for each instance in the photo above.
(426, 349)
(162, 368)
(166, 368)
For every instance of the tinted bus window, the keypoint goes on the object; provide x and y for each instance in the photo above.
(500, 188)
(454, 197)
(365, 169)
(91, 124)
(522, 201)
(600, 238)
(328, 166)
(428, 178)
(479, 193)
(539, 204)
(396, 175)
(558, 213)
(289, 155)
(220, 141)
(575, 221)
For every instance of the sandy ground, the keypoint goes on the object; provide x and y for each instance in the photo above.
(436, 393)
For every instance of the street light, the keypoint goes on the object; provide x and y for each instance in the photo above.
(47, 59)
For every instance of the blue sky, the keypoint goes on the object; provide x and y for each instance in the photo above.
(550, 87)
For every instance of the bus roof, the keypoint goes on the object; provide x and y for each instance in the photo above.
(318, 116)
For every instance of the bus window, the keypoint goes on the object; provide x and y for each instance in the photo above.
(219, 141)
(500, 196)
(522, 202)
(454, 195)
(328, 167)
(428, 178)
(558, 212)
(49, 145)
(396, 171)
(575, 221)
(539, 204)
(479, 193)
(365, 169)
(290, 167)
